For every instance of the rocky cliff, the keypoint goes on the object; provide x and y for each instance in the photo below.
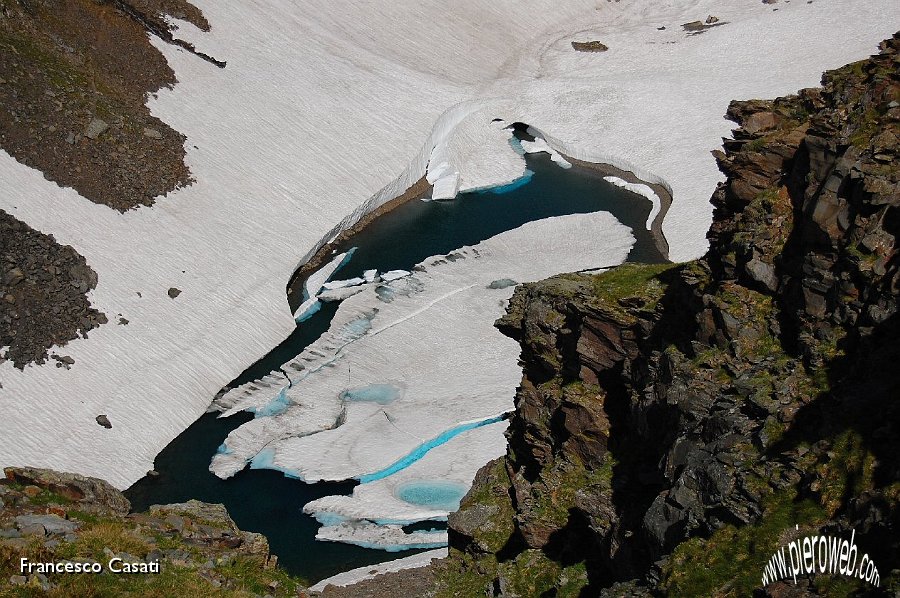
(676, 424)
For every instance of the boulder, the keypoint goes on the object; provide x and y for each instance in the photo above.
(95, 128)
(762, 273)
(759, 121)
(41, 524)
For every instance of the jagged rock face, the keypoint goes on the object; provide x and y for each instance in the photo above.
(837, 168)
(663, 409)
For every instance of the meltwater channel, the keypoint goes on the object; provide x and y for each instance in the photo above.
(266, 501)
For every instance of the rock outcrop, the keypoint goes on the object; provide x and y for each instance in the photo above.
(53, 517)
(90, 493)
(675, 423)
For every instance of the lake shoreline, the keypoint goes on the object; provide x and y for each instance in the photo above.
(324, 254)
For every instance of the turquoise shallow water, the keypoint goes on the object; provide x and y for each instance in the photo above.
(422, 450)
(438, 494)
(382, 394)
(266, 501)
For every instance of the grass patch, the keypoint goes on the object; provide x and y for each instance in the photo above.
(848, 472)
(116, 536)
(463, 576)
(554, 497)
(82, 516)
(494, 536)
(237, 575)
(630, 280)
(44, 498)
(756, 144)
(247, 575)
(531, 573)
(59, 71)
(737, 555)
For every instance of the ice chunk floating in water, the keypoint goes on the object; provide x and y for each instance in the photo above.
(391, 538)
(277, 406)
(316, 282)
(453, 463)
(394, 275)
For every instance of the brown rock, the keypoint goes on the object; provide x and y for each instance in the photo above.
(592, 46)
(90, 491)
(760, 121)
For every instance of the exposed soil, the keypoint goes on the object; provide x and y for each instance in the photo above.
(73, 84)
(43, 288)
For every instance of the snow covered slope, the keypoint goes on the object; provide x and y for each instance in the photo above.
(327, 109)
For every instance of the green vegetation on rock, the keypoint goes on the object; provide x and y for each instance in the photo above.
(731, 561)
(199, 549)
(630, 280)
